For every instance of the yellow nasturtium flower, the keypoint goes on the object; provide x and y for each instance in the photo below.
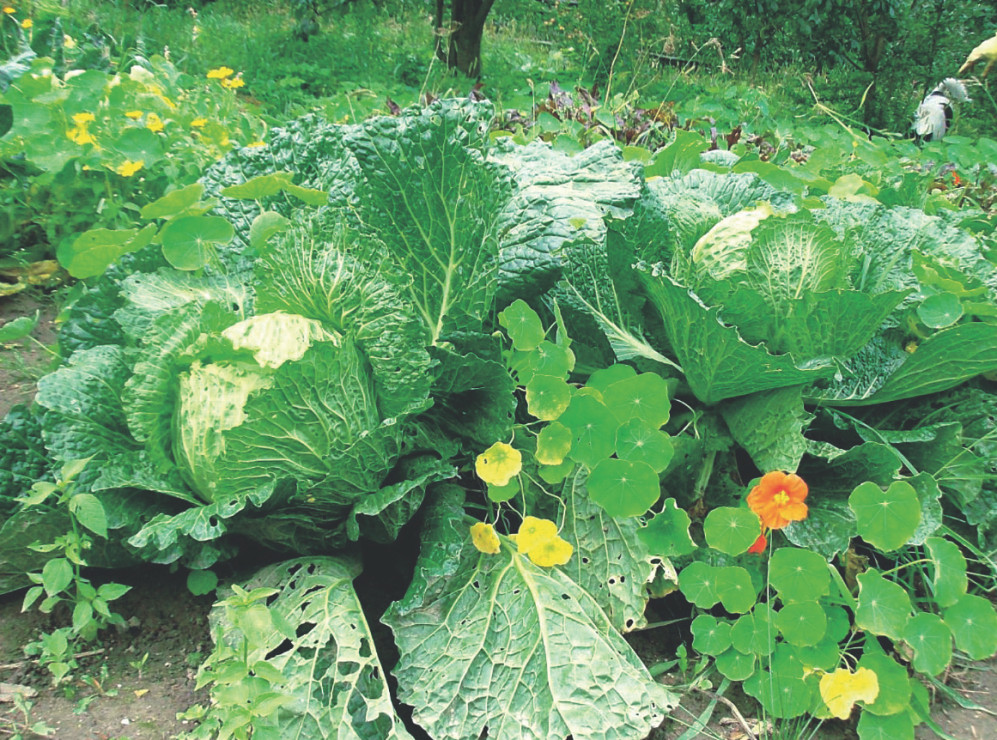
(841, 689)
(233, 83)
(79, 132)
(8, 10)
(129, 168)
(199, 123)
(134, 114)
(82, 119)
(538, 540)
(220, 73)
(27, 23)
(154, 123)
(499, 464)
(255, 144)
(484, 538)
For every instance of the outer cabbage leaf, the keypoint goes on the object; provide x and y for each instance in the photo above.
(717, 362)
(493, 641)
(331, 673)
(731, 192)
(23, 457)
(769, 426)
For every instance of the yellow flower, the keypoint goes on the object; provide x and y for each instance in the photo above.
(134, 114)
(153, 123)
(484, 538)
(8, 10)
(254, 144)
(129, 168)
(68, 41)
(82, 119)
(79, 132)
(233, 83)
(27, 23)
(198, 123)
(841, 689)
(498, 464)
(549, 553)
(534, 531)
(220, 74)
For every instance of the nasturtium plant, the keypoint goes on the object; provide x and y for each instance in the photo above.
(886, 519)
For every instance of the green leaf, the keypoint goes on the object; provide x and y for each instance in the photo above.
(697, 581)
(680, 156)
(18, 328)
(201, 582)
(547, 396)
(552, 359)
(520, 648)
(949, 581)
(734, 587)
(265, 226)
(601, 379)
(710, 637)
(931, 640)
(667, 533)
(643, 397)
(769, 426)
(57, 574)
(623, 488)
(754, 632)
(974, 625)
(717, 362)
(782, 696)
(898, 726)
(735, 665)
(173, 203)
(940, 310)
(883, 606)
(802, 623)
(93, 251)
(886, 519)
(309, 196)
(523, 326)
(89, 512)
(139, 145)
(894, 683)
(346, 693)
(637, 441)
(593, 428)
(798, 575)
(189, 242)
(731, 531)
(553, 444)
(256, 188)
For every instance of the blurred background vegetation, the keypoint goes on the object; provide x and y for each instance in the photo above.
(869, 61)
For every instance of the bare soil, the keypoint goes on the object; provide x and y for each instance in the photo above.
(117, 693)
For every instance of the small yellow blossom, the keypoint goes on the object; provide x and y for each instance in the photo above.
(538, 540)
(68, 41)
(134, 114)
(8, 10)
(27, 23)
(220, 74)
(233, 83)
(254, 144)
(81, 136)
(82, 119)
(199, 123)
(129, 168)
(499, 464)
(484, 538)
(841, 689)
(551, 552)
(153, 123)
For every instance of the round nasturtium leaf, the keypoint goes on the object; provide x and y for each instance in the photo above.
(638, 440)
(733, 585)
(940, 310)
(883, 607)
(710, 637)
(802, 623)
(886, 519)
(552, 359)
(949, 581)
(696, 582)
(754, 632)
(174, 202)
(189, 242)
(893, 727)
(824, 656)
(974, 625)
(894, 684)
(523, 326)
(261, 186)
(931, 640)
(798, 574)
(553, 443)
(735, 665)
(781, 695)
(602, 379)
(593, 429)
(643, 397)
(731, 531)
(838, 623)
(623, 488)
(554, 474)
(547, 396)
(139, 145)
(498, 494)
(667, 533)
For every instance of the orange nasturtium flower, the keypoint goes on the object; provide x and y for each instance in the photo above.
(484, 538)
(778, 499)
(760, 544)
(220, 73)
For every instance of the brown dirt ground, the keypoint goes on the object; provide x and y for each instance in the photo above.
(115, 696)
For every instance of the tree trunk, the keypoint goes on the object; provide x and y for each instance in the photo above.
(460, 44)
